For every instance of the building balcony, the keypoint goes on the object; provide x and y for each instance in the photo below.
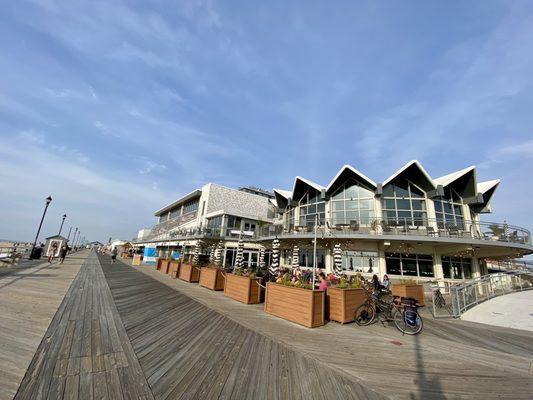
(483, 231)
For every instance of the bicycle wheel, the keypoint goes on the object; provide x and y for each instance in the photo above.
(364, 315)
(408, 324)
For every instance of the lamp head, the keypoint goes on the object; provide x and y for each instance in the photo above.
(48, 199)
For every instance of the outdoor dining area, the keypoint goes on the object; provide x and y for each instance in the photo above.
(305, 296)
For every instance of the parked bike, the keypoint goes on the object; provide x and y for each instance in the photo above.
(382, 305)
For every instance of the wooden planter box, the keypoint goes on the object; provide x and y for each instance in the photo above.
(342, 303)
(212, 278)
(162, 265)
(174, 268)
(409, 290)
(243, 289)
(189, 273)
(302, 306)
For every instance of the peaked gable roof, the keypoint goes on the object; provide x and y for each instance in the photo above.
(487, 189)
(348, 170)
(463, 181)
(299, 182)
(282, 197)
(413, 166)
(445, 180)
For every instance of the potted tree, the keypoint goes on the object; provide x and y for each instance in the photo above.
(296, 301)
(409, 288)
(344, 298)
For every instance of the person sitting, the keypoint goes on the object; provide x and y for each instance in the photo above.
(323, 282)
(386, 283)
(375, 283)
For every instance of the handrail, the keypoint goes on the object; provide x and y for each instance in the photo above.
(466, 295)
(482, 231)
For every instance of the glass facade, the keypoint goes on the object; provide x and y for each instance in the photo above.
(404, 203)
(457, 267)
(306, 258)
(449, 209)
(352, 203)
(190, 206)
(311, 205)
(409, 264)
(360, 261)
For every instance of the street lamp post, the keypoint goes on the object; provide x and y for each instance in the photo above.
(62, 222)
(48, 201)
(69, 231)
(74, 237)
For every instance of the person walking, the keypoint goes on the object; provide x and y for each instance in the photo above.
(63, 253)
(52, 252)
(114, 253)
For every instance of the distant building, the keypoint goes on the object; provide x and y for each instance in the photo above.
(56, 241)
(143, 233)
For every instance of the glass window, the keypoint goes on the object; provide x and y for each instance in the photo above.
(313, 206)
(352, 206)
(393, 266)
(425, 267)
(409, 265)
(405, 202)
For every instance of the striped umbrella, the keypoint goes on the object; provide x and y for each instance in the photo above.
(197, 249)
(212, 255)
(295, 262)
(240, 256)
(262, 258)
(218, 253)
(274, 266)
(337, 259)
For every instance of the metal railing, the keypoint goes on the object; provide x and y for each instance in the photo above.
(483, 231)
(468, 294)
(487, 231)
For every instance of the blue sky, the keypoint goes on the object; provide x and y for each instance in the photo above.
(118, 107)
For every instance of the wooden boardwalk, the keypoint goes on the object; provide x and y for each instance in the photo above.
(127, 333)
(188, 350)
(451, 359)
(29, 297)
(85, 353)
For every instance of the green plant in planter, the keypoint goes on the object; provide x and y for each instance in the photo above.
(356, 283)
(239, 272)
(285, 280)
(303, 283)
(343, 283)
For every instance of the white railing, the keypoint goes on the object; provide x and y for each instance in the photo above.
(468, 294)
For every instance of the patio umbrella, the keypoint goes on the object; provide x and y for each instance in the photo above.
(274, 266)
(218, 253)
(239, 256)
(212, 255)
(337, 259)
(197, 249)
(262, 258)
(295, 262)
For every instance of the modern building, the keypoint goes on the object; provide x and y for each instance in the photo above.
(408, 226)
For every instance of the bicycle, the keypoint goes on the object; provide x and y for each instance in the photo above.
(402, 311)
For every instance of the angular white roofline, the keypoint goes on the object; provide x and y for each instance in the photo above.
(445, 180)
(415, 162)
(356, 172)
(484, 187)
(308, 183)
(283, 193)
